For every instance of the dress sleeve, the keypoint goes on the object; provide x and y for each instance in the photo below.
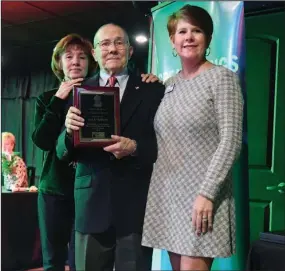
(228, 104)
(21, 173)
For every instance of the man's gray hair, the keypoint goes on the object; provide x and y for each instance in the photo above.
(96, 34)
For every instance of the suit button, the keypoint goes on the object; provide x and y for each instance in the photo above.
(112, 157)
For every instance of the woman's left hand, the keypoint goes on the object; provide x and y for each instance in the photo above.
(150, 78)
(202, 215)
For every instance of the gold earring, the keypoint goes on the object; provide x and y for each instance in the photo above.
(209, 51)
(174, 53)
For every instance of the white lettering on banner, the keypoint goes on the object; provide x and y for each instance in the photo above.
(231, 64)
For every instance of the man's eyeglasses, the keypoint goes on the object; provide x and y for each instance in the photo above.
(105, 44)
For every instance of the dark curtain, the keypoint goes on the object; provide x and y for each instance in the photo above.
(19, 93)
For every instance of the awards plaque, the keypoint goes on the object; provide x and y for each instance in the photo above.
(100, 108)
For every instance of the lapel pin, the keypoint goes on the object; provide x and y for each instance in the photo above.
(137, 87)
(169, 88)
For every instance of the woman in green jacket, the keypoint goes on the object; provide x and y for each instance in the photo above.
(72, 61)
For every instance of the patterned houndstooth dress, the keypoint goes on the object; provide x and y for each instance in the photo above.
(199, 131)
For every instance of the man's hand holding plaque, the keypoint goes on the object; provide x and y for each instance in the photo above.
(73, 121)
(123, 147)
(95, 116)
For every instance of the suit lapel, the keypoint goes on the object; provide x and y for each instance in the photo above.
(92, 81)
(131, 100)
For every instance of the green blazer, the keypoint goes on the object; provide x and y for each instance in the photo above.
(57, 176)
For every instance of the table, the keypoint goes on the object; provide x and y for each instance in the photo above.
(20, 236)
(266, 256)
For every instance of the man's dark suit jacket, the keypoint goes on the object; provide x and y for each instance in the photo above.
(109, 191)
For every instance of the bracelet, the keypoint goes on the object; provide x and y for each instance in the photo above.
(135, 149)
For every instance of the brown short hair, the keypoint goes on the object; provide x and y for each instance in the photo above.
(71, 39)
(193, 14)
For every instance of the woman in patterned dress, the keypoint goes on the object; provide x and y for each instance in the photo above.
(190, 209)
(17, 177)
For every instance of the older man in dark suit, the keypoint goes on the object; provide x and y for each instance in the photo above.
(112, 183)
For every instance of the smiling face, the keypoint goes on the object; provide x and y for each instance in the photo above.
(74, 62)
(114, 57)
(189, 41)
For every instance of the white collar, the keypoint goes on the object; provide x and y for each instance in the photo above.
(120, 76)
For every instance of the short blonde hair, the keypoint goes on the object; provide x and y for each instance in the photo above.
(8, 136)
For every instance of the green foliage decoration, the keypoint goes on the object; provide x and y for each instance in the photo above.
(8, 165)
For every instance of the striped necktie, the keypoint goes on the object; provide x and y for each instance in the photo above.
(112, 81)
